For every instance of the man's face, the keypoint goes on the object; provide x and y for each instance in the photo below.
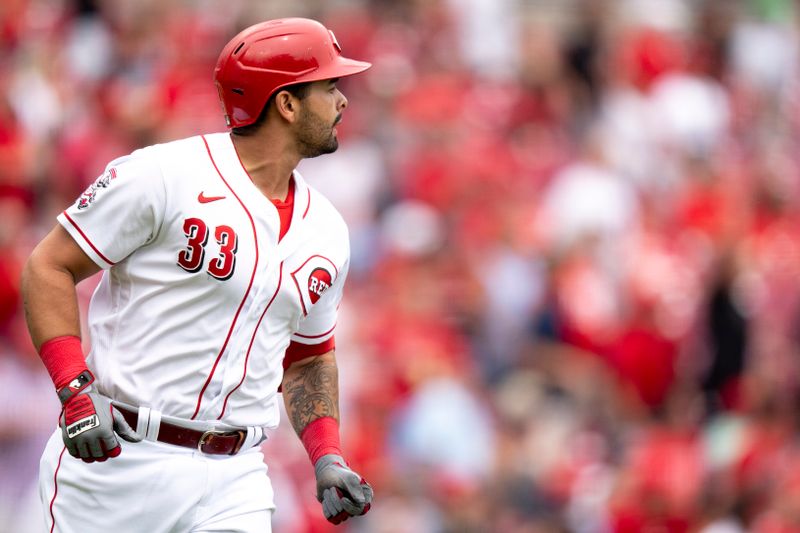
(320, 111)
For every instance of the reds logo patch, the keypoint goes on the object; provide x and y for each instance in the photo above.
(313, 278)
(90, 193)
(318, 282)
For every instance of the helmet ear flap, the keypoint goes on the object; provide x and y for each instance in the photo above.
(271, 55)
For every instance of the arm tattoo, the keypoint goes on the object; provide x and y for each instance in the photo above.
(311, 393)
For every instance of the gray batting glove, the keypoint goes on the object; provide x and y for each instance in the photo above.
(342, 492)
(89, 422)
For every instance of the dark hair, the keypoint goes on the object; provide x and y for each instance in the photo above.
(298, 90)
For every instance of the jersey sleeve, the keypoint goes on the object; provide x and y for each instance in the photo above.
(315, 334)
(120, 212)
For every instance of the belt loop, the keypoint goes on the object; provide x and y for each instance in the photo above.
(154, 425)
(142, 421)
(255, 435)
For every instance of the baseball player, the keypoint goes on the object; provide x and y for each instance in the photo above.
(222, 275)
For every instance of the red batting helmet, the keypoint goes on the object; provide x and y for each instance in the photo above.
(271, 55)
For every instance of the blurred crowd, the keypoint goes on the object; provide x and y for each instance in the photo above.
(574, 299)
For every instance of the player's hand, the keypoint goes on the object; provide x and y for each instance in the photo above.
(342, 492)
(89, 423)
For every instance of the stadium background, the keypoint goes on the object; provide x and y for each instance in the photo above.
(573, 302)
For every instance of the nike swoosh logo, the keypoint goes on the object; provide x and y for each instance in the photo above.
(203, 199)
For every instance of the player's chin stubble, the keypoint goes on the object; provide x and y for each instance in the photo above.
(314, 136)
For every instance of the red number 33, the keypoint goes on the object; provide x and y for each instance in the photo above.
(191, 258)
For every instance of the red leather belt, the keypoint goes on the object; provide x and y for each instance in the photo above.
(211, 442)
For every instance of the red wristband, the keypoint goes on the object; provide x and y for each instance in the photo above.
(321, 437)
(63, 359)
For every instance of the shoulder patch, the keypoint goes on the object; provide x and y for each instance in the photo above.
(90, 194)
(318, 282)
(313, 278)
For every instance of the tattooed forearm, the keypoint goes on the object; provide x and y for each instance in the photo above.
(310, 392)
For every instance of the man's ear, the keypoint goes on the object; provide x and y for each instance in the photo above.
(286, 105)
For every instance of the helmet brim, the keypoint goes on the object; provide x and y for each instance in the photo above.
(340, 68)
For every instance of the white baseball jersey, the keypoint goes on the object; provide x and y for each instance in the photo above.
(200, 298)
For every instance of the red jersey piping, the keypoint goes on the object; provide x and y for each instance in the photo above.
(308, 206)
(316, 336)
(249, 286)
(279, 205)
(296, 284)
(88, 241)
(252, 340)
(55, 491)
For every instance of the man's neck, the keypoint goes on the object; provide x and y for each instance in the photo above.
(269, 162)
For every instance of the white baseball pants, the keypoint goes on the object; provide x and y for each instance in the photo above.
(153, 487)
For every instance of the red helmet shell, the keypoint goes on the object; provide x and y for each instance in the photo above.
(271, 55)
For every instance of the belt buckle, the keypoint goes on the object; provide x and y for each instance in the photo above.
(207, 435)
